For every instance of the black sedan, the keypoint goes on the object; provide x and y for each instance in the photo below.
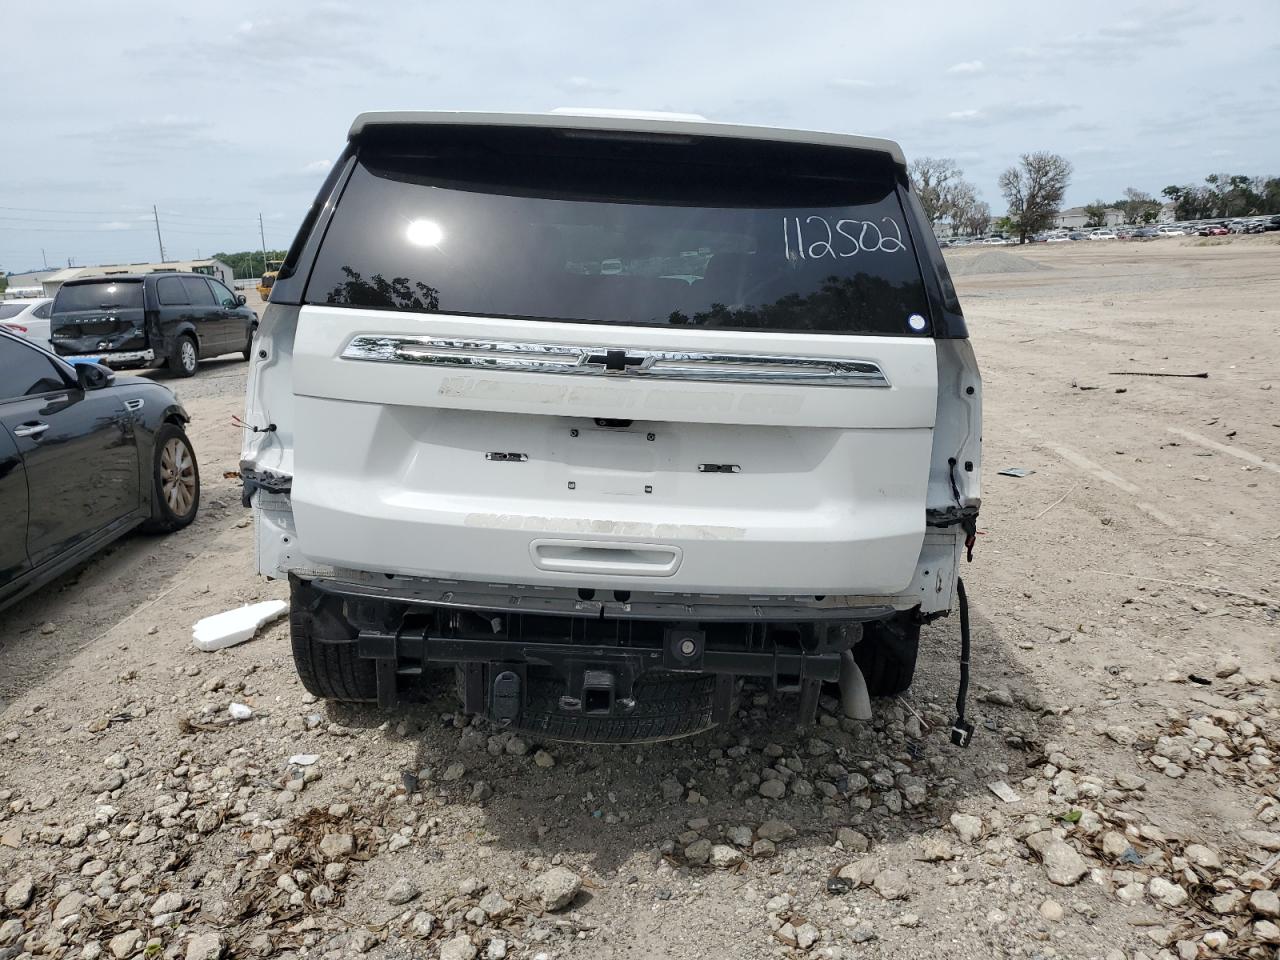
(84, 459)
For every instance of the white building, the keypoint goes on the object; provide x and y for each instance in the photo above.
(209, 267)
(1074, 218)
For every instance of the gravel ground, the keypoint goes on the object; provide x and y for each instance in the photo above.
(1119, 800)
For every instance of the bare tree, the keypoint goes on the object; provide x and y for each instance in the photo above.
(933, 179)
(975, 219)
(1138, 206)
(1034, 189)
(1096, 214)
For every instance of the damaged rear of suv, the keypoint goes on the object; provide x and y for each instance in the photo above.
(609, 413)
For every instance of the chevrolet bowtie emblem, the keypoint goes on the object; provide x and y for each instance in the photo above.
(618, 361)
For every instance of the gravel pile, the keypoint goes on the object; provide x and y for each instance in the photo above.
(965, 263)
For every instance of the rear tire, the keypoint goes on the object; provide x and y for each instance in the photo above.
(324, 648)
(886, 655)
(175, 481)
(184, 360)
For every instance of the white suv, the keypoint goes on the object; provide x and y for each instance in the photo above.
(608, 413)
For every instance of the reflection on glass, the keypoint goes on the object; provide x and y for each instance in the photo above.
(424, 233)
(399, 293)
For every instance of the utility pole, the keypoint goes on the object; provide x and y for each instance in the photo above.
(155, 214)
(263, 237)
(44, 258)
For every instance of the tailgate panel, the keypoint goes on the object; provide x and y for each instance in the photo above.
(392, 473)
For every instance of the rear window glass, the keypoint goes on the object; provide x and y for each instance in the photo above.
(98, 296)
(630, 240)
(8, 310)
(170, 292)
(198, 291)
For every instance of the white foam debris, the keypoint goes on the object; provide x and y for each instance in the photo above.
(230, 627)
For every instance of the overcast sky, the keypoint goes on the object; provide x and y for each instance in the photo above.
(227, 109)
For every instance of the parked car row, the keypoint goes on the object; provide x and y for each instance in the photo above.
(1208, 228)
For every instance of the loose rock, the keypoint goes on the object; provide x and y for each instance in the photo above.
(968, 828)
(557, 887)
(124, 945)
(459, 948)
(205, 946)
(772, 789)
(852, 840)
(19, 893)
(1051, 910)
(1168, 894)
(892, 885)
(723, 856)
(402, 891)
(1265, 903)
(1062, 864)
(775, 830)
(335, 845)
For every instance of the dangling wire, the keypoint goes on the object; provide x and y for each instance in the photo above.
(961, 729)
(269, 428)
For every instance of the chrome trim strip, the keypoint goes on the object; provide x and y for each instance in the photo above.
(108, 356)
(613, 362)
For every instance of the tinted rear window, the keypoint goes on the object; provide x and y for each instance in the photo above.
(98, 296)
(639, 237)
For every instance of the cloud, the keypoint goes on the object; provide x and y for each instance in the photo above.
(317, 166)
(587, 85)
(1161, 28)
(1009, 111)
(117, 225)
(967, 66)
(847, 83)
(148, 139)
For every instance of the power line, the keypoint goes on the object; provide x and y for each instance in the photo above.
(195, 221)
(141, 211)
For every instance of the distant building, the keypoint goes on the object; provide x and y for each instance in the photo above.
(1074, 218)
(210, 267)
(25, 285)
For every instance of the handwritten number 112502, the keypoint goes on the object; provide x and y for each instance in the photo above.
(816, 239)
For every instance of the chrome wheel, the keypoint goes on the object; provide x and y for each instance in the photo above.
(187, 355)
(177, 476)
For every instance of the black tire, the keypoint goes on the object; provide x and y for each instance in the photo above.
(886, 655)
(175, 481)
(184, 359)
(668, 706)
(324, 648)
(247, 352)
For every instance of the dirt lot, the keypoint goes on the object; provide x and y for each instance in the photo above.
(1126, 690)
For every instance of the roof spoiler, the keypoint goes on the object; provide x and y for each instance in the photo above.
(620, 122)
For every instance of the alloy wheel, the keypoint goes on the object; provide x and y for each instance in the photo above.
(177, 476)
